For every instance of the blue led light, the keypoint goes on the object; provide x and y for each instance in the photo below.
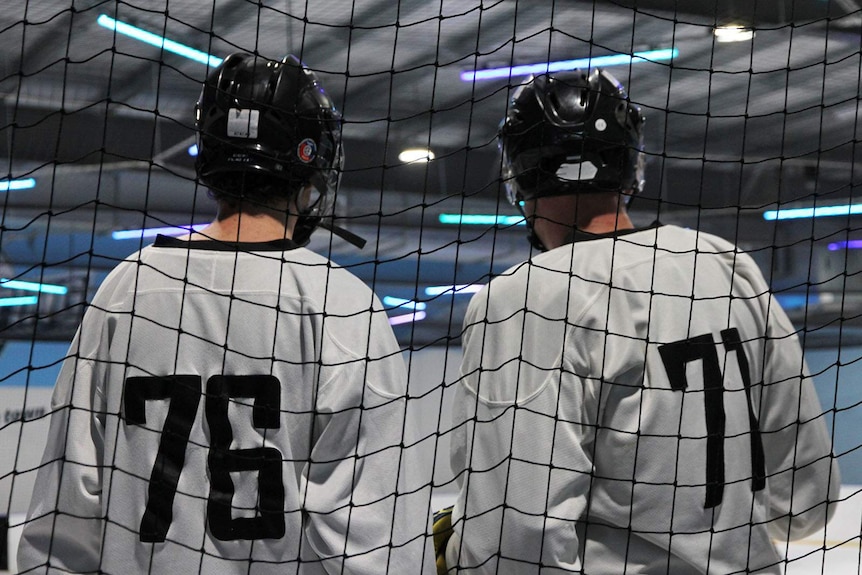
(158, 41)
(480, 220)
(807, 213)
(791, 301)
(193, 150)
(33, 286)
(17, 301)
(12, 185)
(568, 65)
(390, 301)
(152, 232)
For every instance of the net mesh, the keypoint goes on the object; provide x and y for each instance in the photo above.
(751, 135)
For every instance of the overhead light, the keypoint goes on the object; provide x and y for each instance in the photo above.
(845, 245)
(807, 213)
(453, 289)
(18, 301)
(152, 232)
(732, 33)
(407, 318)
(158, 41)
(33, 286)
(393, 302)
(791, 301)
(193, 150)
(568, 65)
(11, 185)
(481, 220)
(419, 155)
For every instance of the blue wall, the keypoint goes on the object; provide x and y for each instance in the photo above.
(36, 364)
(838, 378)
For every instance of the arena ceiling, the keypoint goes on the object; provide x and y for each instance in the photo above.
(103, 123)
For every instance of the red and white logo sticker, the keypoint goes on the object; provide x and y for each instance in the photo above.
(306, 150)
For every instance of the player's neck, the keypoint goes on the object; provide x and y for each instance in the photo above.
(558, 216)
(245, 227)
(606, 223)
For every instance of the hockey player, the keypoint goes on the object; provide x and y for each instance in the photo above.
(633, 399)
(233, 402)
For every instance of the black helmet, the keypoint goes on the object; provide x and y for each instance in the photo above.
(569, 133)
(275, 120)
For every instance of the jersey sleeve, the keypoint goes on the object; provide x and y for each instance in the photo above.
(366, 492)
(520, 448)
(65, 520)
(802, 474)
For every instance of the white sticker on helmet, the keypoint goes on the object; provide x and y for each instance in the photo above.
(577, 171)
(242, 123)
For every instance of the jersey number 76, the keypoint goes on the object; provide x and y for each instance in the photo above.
(184, 394)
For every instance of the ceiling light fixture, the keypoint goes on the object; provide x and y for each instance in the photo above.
(480, 220)
(568, 65)
(792, 301)
(807, 213)
(11, 185)
(453, 289)
(407, 318)
(152, 232)
(158, 41)
(845, 245)
(397, 302)
(18, 301)
(33, 286)
(418, 155)
(732, 33)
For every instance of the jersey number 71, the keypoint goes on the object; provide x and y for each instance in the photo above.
(675, 356)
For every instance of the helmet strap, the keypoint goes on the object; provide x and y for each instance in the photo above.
(532, 237)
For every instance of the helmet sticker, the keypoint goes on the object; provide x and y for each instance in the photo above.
(242, 123)
(577, 171)
(306, 150)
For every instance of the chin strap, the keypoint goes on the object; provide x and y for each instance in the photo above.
(344, 234)
(531, 233)
(535, 241)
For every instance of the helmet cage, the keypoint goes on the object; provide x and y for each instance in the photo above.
(312, 213)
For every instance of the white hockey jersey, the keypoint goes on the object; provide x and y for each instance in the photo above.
(230, 409)
(635, 403)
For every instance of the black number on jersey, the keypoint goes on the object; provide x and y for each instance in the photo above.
(183, 392)
(223, 460)
(675, 356)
